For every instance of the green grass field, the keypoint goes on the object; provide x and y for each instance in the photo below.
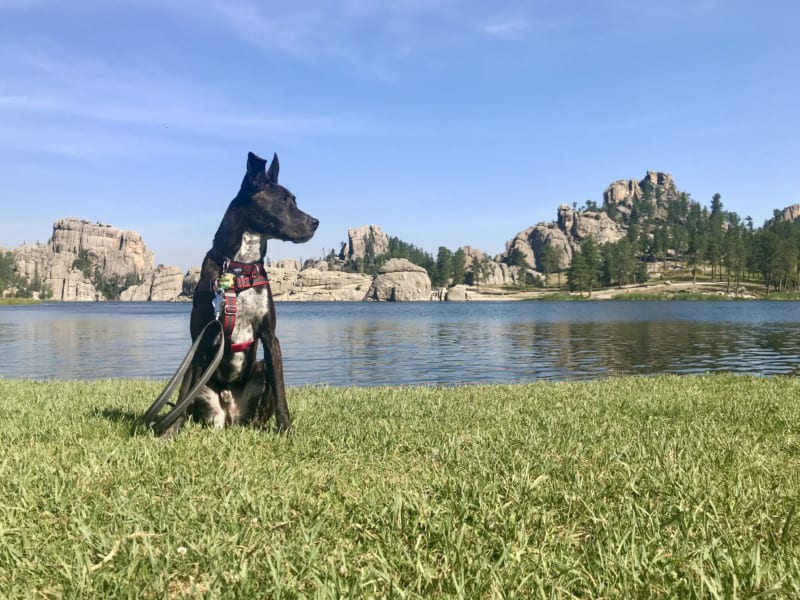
(674, 487)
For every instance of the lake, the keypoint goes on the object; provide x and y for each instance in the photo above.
(425, 343)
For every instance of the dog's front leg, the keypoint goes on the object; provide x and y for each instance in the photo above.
(274, 395)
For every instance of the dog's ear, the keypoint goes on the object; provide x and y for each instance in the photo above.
(255, 164)
(272, 174)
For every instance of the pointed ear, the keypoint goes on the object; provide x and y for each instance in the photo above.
(255, 164)
(272, 174)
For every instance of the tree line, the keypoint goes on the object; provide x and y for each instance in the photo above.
(707, 240)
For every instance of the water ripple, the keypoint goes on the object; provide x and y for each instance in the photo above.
(419, 343)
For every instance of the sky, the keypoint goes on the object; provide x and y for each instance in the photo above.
(445, 122)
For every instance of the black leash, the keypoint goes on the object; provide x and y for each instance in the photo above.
(160, 424)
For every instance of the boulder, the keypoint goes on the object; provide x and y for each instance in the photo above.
(336, 286)
(164, 285)
(136, 293)
(400, 280)
(457, 293)
(167, 283)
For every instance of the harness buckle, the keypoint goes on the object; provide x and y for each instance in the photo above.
(231, 308)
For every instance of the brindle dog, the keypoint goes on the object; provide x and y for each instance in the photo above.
(243, 389)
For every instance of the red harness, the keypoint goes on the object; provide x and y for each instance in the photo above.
(236, 278)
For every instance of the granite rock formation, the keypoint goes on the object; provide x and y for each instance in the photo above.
(164, 284)
(400, 280)
(493, 272)
(108, 251)
(318, 283)
(359, 239)
(457, 293)
(656, 188)
(791, 213)
(572, 226)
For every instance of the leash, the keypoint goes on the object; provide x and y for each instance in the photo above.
(160, 424)
(236, 277)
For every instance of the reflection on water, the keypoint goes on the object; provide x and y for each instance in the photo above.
(420, 343)
(92, 341)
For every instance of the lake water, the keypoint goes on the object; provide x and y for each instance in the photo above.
(419, 343)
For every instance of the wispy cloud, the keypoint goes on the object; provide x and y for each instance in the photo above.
(79, 107)
(506, 27)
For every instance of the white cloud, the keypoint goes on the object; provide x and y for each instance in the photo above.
(506, 27)
(57, 95)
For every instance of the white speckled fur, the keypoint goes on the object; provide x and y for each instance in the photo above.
(233, 405)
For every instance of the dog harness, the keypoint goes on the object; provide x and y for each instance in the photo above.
(236, 277)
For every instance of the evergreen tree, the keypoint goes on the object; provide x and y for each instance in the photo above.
(577, 273)
(444, 268)
(585, 270)
(548, 261)
(715, 235)
(459, 266)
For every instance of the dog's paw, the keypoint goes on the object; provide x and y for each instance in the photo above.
(226, 397)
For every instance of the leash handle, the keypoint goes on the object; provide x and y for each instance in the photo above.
(151, 415)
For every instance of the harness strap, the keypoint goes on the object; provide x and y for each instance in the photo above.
(239, 276)
(242, 346)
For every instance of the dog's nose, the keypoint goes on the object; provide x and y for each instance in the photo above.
(314, 223)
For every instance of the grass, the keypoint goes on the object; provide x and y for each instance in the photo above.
(671, 487)
(561, 297)
(662, 296)
(794, 296)
(8, 301)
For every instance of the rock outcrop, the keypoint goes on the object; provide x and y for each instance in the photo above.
(105, 252)
(360, 240)
(491, 271)
(656, 189)
(337, 286)
(457, 293)
(651, 195)
(115, 251)
(165, 284)
(315, 283)
(400, 280)
(791, 213)
(579, 225)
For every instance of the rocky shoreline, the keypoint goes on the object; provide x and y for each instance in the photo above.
(85, 261)
(81, 255)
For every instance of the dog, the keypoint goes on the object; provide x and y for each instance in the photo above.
(233, 281)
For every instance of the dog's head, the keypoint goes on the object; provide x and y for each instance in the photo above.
(269, 208)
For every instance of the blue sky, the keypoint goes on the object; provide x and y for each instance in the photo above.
(444, 122)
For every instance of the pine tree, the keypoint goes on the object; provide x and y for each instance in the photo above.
(459, 266)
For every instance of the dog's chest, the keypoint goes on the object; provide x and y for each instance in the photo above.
(252, 307)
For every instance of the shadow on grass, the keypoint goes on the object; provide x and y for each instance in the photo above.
(132, 421)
